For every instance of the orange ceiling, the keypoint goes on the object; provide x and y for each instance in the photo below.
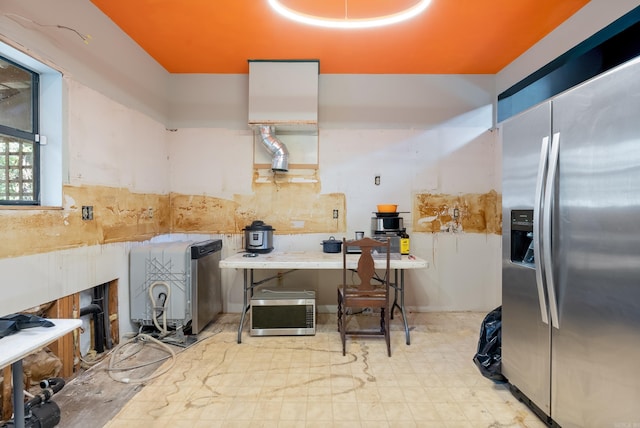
(450, 37)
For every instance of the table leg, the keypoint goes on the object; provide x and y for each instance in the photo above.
(18, 397)
(248, 294)
(399, 288)
(404, 313)
(245, 303)
(395, 293)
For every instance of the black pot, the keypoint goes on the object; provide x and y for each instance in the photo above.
(331, 245)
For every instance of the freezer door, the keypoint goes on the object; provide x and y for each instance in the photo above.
(596, 350)
(525, 335)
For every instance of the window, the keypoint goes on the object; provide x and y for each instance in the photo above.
(19, 152)
(31, 131)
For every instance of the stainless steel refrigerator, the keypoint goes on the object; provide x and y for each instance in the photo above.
(571, 253)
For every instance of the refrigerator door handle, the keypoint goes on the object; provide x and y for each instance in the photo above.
(537, 240)
(546, 228)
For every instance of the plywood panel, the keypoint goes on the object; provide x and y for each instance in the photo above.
(113, 312)
(66, 347)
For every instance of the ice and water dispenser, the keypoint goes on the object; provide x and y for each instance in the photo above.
(522, 236)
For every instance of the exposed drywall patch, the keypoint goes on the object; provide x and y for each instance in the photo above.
(471, 213)
(205, 214)
(287, 201)
(292, 203)
(118, 216)
(290, 208)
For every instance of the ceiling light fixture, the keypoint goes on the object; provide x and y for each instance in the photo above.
(346, 22)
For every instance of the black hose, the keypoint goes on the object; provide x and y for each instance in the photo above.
(98, 320)
(107, 321)
(55, 383)
(90, 309)
(49, 387)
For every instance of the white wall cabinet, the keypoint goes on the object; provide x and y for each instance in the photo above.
(284, 94)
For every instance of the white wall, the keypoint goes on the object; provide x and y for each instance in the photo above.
(33, 280)
(113, 145)
(109, 145)
(421, 134)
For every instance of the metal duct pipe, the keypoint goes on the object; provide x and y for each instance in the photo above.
(280, 159)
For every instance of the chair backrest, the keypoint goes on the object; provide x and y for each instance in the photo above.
(366, 268)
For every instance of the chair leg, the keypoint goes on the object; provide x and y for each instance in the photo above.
(339, 310)
(341, 324)
(343, 336)
(387, 333)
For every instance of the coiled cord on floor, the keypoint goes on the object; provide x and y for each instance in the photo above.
(139, 338)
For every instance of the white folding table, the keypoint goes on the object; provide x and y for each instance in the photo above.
(294, 260)
(15, 347)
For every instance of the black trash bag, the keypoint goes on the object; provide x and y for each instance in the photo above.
(488, 357)
(11, 324)
(7, 328)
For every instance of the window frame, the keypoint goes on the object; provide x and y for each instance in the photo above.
(33, 136)
(52, 123)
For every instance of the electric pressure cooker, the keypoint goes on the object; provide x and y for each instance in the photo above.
(258, 237)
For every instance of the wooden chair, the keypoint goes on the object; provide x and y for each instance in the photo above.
(364, 293)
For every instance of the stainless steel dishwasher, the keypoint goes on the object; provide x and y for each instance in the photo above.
(176, 285)
(206, 287)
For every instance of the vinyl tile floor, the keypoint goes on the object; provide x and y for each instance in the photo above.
(305, 381)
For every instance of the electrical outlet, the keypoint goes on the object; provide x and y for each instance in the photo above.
(87, 212)
(456, 213)
(335, 213)
(150, 212)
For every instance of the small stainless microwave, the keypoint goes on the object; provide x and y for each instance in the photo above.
(283, 313)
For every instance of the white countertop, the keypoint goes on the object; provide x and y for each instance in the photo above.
(28, 340)
(311, 260)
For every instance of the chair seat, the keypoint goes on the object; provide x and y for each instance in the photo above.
(359, 292)
(363, 298)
